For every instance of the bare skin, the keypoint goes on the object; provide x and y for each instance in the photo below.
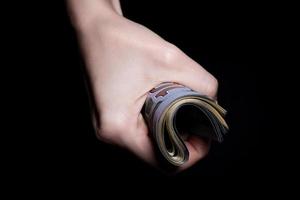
(124, 60)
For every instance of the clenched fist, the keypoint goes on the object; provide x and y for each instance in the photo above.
(124, 60)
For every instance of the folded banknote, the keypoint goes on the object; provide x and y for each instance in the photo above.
(173, 112)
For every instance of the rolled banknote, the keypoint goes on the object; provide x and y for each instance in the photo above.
(173, 111)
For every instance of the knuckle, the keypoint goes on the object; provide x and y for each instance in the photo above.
(212, 87)
(170, 53)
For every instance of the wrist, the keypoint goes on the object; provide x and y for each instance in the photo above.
(84, 14)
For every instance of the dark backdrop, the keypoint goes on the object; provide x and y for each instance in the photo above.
(237, 42)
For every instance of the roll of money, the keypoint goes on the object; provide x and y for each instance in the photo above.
(173, 111)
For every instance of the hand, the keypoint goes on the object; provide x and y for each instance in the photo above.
(124, 60)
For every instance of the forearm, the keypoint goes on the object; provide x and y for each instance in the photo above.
(84, 12)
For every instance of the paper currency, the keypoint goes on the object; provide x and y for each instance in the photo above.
(173, 111)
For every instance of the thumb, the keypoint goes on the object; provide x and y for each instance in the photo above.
(198, 149)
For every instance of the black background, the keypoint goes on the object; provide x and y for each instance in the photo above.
(239, 43)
